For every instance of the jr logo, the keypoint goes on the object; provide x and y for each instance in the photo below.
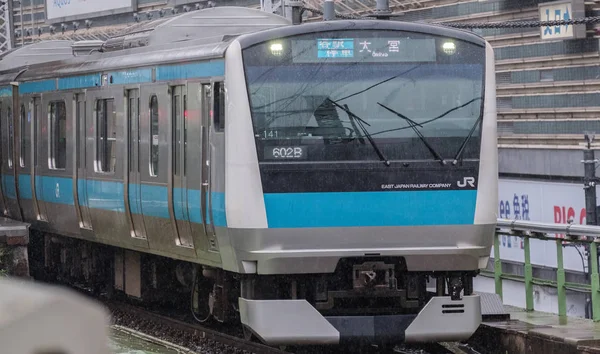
(466, 181)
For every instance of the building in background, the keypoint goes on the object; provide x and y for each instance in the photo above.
(36, 20)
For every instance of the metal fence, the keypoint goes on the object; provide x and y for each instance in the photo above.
(573, 234)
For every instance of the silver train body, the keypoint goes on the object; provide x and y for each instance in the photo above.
(278, 155)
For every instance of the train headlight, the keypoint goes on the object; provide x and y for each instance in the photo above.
(449, 48)
(276, 49)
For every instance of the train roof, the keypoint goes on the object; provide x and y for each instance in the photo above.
(250, 39)
(203, 33)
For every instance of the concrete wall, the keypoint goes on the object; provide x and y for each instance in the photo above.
(541, 162)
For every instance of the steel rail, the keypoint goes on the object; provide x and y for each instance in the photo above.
(192, 329)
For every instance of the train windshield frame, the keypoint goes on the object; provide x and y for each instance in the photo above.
(322, 96)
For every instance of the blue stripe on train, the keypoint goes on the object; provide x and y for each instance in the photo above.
(25, 186)
(37, 86)
(6, 91)
(347, 209)
(108, 195)
(81, 81)
(186, 71)
(8, 186)
(131, 76)
(285, 210)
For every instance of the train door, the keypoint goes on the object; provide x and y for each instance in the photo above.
(37, 148)
(80, 172)
(24, 160)
(205, 194)
(133, 190)
(56, 162)
(3, 207)
(179, 186)
(194, 115)
(9, 174)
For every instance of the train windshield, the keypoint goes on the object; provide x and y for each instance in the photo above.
(343, 95)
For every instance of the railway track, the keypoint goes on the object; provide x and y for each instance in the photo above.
(172, 328)
(196, 337)
(193, 336)
(435, 348)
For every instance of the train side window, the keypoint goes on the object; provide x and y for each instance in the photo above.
(106, 136)
(9, 120)
(219, 107)
(176, 119)
(23, 137)
(154, 136)
(57, 122)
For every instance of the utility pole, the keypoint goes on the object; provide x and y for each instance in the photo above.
(290, 9)
(328, 10)
(589, 181)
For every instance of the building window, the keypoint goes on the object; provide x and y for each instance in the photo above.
(219, 107)
(106, 136)
(154, 151)
(547, 75)
(24, 135)
(57, 122)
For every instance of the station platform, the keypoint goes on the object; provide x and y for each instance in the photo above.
(14, 238)
(13, 232)
(535, 332)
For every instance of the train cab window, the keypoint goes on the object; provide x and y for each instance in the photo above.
(57, 135)
(154, 136)
(106, 136)
(219, 107)
(9, 122)
(23, 136)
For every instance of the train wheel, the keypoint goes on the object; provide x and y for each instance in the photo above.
(202, 289)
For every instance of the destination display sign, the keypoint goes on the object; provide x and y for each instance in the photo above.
(364, 50)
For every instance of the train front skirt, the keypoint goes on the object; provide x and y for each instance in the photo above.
(297, 322)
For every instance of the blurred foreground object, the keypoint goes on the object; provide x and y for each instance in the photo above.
(40, 319)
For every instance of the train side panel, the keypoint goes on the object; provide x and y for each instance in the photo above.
(110, 191)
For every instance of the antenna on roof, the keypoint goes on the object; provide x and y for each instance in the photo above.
(383, 11)
(328, 10)
(86, 47)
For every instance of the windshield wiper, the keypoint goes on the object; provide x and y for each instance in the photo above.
(360, 122)
(464, 143)
(414, 125)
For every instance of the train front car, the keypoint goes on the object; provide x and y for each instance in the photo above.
(361, 161)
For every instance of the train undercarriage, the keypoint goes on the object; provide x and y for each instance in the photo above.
(367, 300)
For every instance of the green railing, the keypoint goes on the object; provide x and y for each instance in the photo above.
(574, 234)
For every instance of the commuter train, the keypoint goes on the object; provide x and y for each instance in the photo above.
(320, 183)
